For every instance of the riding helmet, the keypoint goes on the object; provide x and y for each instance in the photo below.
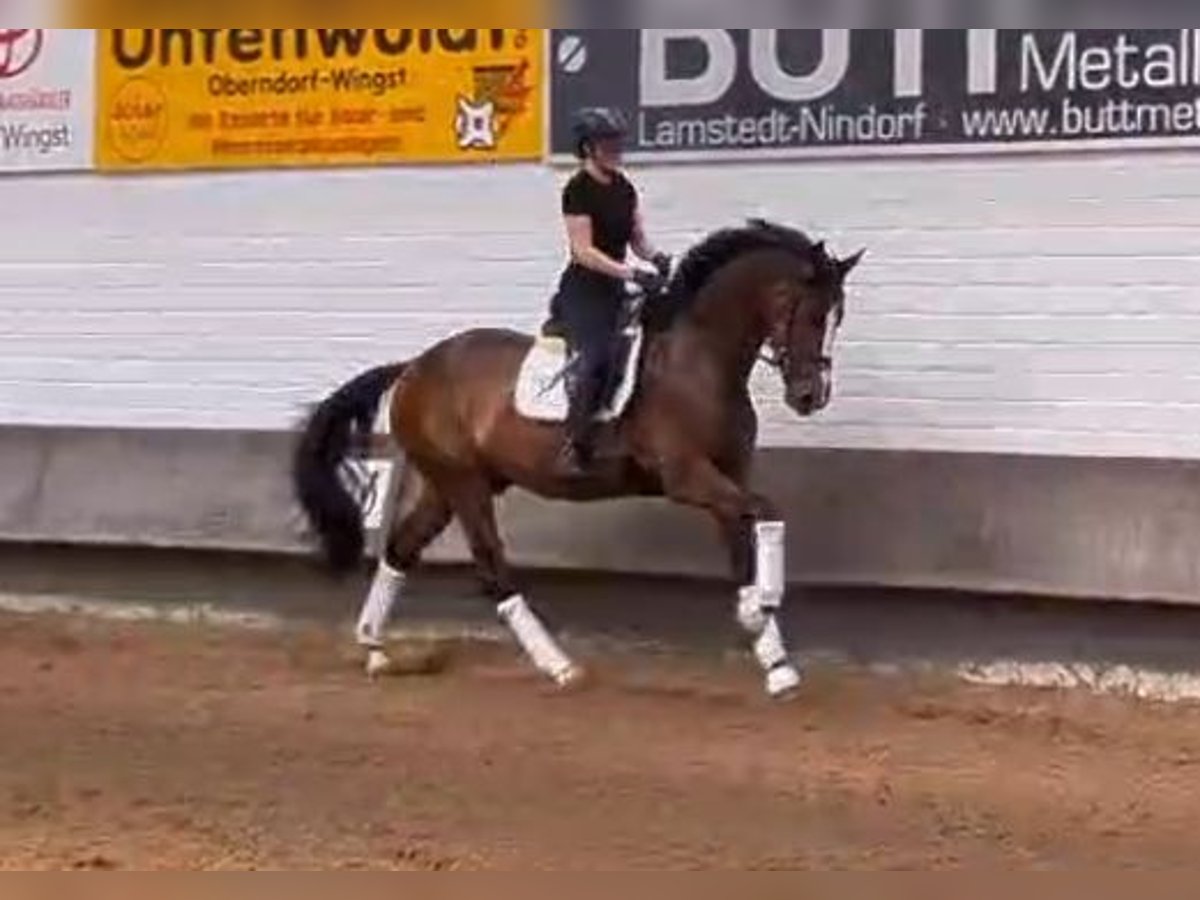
(596, 124)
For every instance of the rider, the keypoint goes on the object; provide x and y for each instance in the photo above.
(603, 221)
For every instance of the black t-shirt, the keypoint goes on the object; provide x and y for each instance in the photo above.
(611, 208)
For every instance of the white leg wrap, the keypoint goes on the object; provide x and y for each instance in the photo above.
(541, 648)
(750, 612)
(769, 648)
(386, 589)
(758, 605)
(771, 579)
(782, 677)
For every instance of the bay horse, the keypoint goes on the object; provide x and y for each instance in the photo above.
(687, 433)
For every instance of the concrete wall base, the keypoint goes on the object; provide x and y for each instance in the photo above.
(1042, 525)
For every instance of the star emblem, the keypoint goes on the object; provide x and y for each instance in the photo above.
(475, 124)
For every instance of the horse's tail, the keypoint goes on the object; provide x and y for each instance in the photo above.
(327, 439)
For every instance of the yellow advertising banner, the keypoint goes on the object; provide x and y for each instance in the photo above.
(171, 98)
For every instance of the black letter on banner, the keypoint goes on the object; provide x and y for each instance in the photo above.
(393, 45)
(245, 44)
(458, 40)
(185, 37)
(127, 60)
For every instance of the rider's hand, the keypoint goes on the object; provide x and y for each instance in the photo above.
(650, 281)
(662, 262)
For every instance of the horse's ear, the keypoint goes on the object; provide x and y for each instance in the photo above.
(846, 266)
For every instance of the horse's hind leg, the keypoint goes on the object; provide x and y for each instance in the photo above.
(473, 503)
(421, 514)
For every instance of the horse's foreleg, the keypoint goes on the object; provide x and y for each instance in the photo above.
(756, 535)
(421, 514)
(475, 507)
(738, 536)
(760, 605)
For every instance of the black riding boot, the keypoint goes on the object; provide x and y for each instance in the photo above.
(581, 426)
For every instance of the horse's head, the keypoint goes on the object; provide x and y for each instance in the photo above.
(767, 283)
(805, 307)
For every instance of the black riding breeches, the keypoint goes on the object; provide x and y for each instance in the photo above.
(591, 317)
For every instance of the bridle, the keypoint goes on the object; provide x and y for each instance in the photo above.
(780, 358)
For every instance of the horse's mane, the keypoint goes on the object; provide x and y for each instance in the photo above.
(721, 248)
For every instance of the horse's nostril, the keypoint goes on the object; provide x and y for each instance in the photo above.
(803, 400)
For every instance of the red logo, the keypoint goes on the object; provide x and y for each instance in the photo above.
(19, 49)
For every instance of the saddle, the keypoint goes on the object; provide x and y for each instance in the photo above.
(553, 329)
(544, 384)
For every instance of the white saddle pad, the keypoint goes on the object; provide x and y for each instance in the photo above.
(541, 392)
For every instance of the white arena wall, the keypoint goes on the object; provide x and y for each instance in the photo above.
(1018, 400)
(1014, 304)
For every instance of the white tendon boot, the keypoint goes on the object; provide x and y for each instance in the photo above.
(759, 604)
(386, 589)
(750, 613)
(533, 637)
(772, 655)
(771, 579)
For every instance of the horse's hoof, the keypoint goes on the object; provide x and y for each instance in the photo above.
(378, 664)
(783, 683)
(572, 678)
(408, 661)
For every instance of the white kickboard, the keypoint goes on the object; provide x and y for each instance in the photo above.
(538, 397)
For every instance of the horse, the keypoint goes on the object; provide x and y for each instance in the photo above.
(684, 428)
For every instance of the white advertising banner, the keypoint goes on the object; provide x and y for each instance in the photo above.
(47, 99)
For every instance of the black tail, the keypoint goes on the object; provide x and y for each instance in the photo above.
(327, 440)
